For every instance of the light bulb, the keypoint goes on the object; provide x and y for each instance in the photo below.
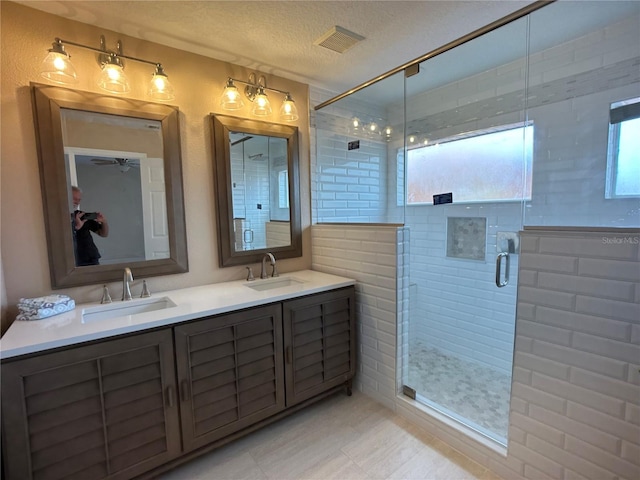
(160, 88)
(261, 104)
(113, 79)
(57, 66)
(231, 98)
(288, 110)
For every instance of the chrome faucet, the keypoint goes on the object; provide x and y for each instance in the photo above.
(126, 284)
(272, 261)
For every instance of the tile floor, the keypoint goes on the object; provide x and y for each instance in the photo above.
(341, 438)
(471, 391)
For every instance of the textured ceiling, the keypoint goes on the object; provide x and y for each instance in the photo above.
(277, 37)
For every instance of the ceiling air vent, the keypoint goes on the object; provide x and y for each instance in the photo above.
(338, 39)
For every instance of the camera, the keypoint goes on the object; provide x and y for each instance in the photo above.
(89, 216)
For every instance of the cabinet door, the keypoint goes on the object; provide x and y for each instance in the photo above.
(230, 372)
(319, 335)
(99, 411)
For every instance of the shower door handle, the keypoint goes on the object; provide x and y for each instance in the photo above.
(499, 282)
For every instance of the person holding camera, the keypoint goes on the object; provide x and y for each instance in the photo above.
(82, 225)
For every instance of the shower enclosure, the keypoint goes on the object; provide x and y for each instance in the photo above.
(534, 123)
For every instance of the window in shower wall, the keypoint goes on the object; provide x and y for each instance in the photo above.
(623, 160)
(481, 166)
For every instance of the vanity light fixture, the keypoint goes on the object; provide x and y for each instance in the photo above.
(160, 87)
(261, 104)
(368, 127)
(255, 91)
(57, 68)
(112, 78)
(288, 109)
(231, 98)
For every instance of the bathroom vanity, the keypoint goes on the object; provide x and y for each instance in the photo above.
(121, 391)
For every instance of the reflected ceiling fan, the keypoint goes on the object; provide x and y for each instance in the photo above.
(243, 139)
(123, 164)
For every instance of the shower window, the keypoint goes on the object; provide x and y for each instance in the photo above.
(481, 166)
(623, 160)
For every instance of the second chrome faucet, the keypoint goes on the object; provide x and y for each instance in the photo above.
(126, 284)
(272, 261)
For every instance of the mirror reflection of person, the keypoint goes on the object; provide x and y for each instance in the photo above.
(85, 250)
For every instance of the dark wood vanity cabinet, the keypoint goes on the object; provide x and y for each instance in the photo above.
(320, 348)
(230, 373)
(107, 410)
(132, 406)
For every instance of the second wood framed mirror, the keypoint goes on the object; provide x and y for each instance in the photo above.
(258, 195)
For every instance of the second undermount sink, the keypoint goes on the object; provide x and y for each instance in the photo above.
(270, 284)
(123, 309)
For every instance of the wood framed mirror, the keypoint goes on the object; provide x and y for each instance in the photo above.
(125, 156)
(257, 183)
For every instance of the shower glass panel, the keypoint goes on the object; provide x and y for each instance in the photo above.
(584, 99)
(359, 140)
(468, 172)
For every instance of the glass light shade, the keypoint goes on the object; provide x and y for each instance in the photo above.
(288, 110)
(231, 98)
(160, 87)
(388, 131)
(261, 104)
(373, 128)
(57, 68)
(113, 79)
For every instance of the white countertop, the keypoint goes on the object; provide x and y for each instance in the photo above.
(70, 328)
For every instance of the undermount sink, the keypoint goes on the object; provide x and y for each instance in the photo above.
(262, 285)
(123, 309)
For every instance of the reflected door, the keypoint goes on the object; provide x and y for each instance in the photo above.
(156, 231)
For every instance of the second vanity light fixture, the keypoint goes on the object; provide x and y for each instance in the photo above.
(369, 129)
(254, 90)
(57, 67)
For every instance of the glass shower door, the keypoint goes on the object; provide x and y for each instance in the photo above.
(468, 173)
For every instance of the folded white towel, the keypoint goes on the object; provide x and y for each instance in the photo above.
(44, 307)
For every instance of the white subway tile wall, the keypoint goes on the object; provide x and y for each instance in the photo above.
(578, 382)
